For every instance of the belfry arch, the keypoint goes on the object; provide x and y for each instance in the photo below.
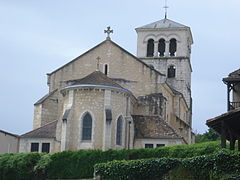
(161, 47)
(150, 48)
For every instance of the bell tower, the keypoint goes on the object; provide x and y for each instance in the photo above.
(166, 45)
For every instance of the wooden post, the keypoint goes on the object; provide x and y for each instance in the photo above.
(223, 135)
(232, 141)
(238, 143)
(228, 96)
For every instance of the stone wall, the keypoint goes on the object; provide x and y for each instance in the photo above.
(46, 111)
(9, 143)
(136, 76)
(25, 144)
(140, 143)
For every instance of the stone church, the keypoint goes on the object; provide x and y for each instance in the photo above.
(108, 98)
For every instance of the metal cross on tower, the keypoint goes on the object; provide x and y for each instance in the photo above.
(108, 31)
(165, 7)
(98, 59)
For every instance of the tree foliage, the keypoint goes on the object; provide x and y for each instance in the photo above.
(209, 135)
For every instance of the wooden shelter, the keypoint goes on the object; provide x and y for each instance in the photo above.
(228, 124)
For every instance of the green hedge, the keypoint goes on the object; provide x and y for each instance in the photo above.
(18, 166)
(215, 167)
(153, 169)
(79, 164)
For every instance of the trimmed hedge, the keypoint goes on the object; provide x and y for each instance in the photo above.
(79, 164)
(153, 169)
(214, 167)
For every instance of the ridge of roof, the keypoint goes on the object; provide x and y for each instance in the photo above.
(46, 131)
(5, 132)
(96, 77)
(162, 24)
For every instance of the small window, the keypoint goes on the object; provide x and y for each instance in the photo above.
(161, 47)
(150, 48)
(149, 146)
(87, 127)
(106, 69)
(119, 131)
(160, 145)
(46, 147)
(173, 47)
(34, 147)
(171, 73)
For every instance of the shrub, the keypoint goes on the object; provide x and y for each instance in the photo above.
(18, 166)
(41, 166)
(80, 164)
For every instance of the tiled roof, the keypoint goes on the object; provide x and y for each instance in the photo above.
(46, 131)
(235, 73)
(162, 24)
(152, 127)
(97, 78)
(234, 76)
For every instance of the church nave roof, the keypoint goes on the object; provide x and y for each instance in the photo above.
(46, 131)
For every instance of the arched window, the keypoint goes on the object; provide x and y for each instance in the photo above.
(173, 47)
(171, 71)
(150, 48)
(87, 127)
(161, 47)
(106, 69)
(119, 131)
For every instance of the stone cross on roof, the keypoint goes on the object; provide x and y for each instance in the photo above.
(165, 7)
(98, 59)
(108, 31)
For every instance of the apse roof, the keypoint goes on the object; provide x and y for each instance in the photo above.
(152, 127)
(96, 78)
(164, 23)
(46, 131)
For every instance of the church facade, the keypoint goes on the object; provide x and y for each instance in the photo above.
(108, 98)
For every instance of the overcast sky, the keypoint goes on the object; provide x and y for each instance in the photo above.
(37, 37)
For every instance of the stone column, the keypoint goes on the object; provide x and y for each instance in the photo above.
(155, 48)
(64, 135)
(167, 48)
(107, 124)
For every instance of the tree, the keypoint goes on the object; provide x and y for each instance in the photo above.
(209, 135)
